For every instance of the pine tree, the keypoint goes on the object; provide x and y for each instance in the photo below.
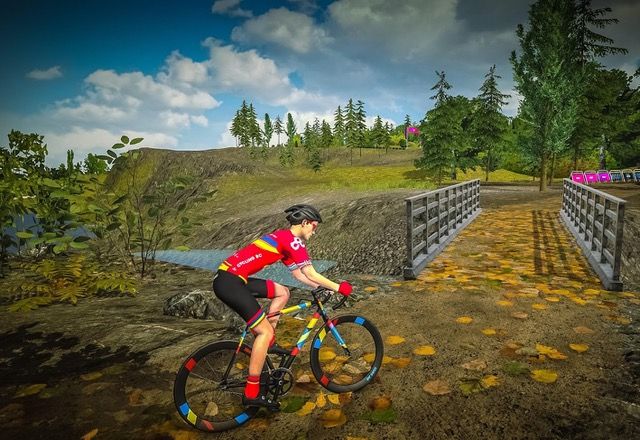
(361, 124)
(236, 126)
(441, 88)
(351, 128)
(278, 128)
(548, 77)
(267, 131)
(338, 127)
(244, 126)
(488, 122)
(326, 137)
(291, 129)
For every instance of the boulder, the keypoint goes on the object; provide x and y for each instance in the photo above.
(202, 304)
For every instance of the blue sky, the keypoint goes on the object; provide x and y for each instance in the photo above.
(84, 72)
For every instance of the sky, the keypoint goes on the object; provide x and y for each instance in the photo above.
(82, 73)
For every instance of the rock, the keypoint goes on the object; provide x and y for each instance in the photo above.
(202, 304)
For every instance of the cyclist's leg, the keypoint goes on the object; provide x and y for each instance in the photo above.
(277, 293)
(234, 292)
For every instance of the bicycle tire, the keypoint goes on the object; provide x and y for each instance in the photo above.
(329, 371)
(198, 403)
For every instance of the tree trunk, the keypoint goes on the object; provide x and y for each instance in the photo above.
(553, 168)
(543, 172)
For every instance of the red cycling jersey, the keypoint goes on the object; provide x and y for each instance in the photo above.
(276, 246)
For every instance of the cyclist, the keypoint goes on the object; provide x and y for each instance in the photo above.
(235, 287)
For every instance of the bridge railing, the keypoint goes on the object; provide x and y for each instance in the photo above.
(434, 218)
(596, 220)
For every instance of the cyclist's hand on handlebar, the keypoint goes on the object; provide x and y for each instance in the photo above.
(345, 288)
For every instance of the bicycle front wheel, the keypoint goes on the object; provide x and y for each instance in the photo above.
(341, 369)
(206, 398)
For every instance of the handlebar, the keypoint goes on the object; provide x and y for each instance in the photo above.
(319, 293)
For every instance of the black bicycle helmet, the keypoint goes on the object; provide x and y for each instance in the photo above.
(297, 213)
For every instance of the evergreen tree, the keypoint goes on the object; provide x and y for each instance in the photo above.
(378, 132)
(488, 122)
(236, 123)
(339, 127)
(441, 88)
(267, 130)
(548, 77)
(351, 127)
(361, 124)
(291, 129)
(278, 128)
(307, 137)
(326, 137)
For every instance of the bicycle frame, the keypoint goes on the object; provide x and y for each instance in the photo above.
(287, 360)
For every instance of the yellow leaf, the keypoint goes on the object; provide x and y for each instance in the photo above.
(544, 376)
(381, 402)
(425, 350)
(321, 401)
(464, 320)
(550, 352)
(554, 299)
(333, 418)
(530, 291)
(91, 376)
(394, 340)
(306, 409)
(582, 330)
(437, 388)
(402, 362)
(369, 357)
(326, 354)
(386, 359)
(334, 398)
(580, 348)
(30, 390)
(504, 303)
(520, 315)
(370, 289)
(91, 434)
(539, 306)
(578, 300)
(489, 331)
(476, 364)
(490, 381)
(396, 284)
(591, 292)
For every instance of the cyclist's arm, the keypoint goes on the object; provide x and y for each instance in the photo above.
(315, 277)
(298, 275)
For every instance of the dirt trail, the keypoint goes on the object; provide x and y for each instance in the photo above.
(515, 272)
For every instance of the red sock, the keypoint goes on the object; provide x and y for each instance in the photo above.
(252, 389)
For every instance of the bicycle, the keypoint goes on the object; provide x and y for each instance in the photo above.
(210, 383)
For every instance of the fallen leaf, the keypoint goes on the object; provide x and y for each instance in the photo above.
(370, 289)
(582, 330)
(401, 362)
(520, 315)
(530, 290)
(470, 385)
(464, 320)
(396, 284)
(346, 397)
(211, 410)
(476, 365)
(591, 292)
(490, 381)
(539, 306)
(620, 320)
(321, 401)
(91, 376)
(580, 348)
(551, 352)
(326, 354)
(489, 331)
(425, 350)
(306, 409)
(305, 378)
(554, 299)
(394, 340)
(544, 376)
(30, 390)
(380, 402)
(515, 368)
(135, 396)
(91, 434)
(369, 357)
(437, 388)
(334, 398)
(333, 418)
(386, 359)
(504, 303)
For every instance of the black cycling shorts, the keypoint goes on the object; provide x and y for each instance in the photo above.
(241, 297)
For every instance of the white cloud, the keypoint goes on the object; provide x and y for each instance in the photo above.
(91, 112)
(229, 7)
(50, 73)
(282, 27)
(182, 70)
(200, 120)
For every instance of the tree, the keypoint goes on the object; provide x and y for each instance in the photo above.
(338, 127)
(351, 127)
(441, 88)
(94, 165)
(488, 123)
(326, 137)
(549, 78)
(291, 128)
(278, 128)
(361, 124)
(267, 131)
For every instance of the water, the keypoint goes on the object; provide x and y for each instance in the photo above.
(210, 259)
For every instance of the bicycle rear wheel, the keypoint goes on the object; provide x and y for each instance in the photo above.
(201, 396)
(338, 370)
